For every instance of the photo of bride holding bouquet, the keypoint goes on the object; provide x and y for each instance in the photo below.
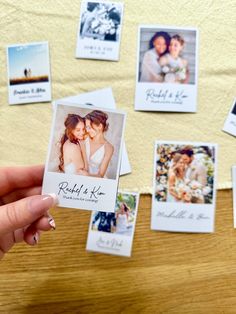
(185, 173)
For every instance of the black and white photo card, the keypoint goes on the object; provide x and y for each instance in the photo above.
(167, 64)
(84, 156)
(184, 184)
(99, 30)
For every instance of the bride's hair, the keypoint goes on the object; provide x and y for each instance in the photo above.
(176, 159)
(126, 208)
(70, 124)
(179, 39)
(98, 117)
(165, 35)
(91, 6)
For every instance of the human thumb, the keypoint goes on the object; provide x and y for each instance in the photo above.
(24, 212)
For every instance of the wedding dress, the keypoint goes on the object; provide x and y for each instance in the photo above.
(70, 168)
(121, 223)
(170, 197)
(174, 63)
(94, 160)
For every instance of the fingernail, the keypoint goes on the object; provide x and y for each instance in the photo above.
(55, 198)
(36, 238)
(52, 223)
(41, 203)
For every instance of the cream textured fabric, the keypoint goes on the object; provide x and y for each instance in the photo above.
(24, 129)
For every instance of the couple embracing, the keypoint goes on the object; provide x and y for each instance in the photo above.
(187, 178)
(84, 150)
(163, 61)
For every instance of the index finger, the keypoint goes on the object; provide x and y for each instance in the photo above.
(12, 178)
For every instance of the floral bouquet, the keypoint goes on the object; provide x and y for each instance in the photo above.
(103, 26)
(172, 75)
(192, 191)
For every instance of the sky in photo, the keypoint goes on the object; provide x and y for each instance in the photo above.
(34, 57)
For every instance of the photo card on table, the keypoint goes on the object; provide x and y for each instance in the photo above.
(28, 73)
(113, 232)
(234, 193)
(99, 30)
(84, 156)
(184, 186)
(100, 98)
(230, 122)
(167, 66)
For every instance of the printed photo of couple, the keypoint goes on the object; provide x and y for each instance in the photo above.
(184, 173)
(122, 221)
(167, 56)
(86, 142)
(101, 20)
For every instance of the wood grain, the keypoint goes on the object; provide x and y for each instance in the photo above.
(167, 273)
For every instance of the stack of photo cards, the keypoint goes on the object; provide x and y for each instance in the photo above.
(230, 122)
(28, 73)
(84, 156)
(100, 98)
(99, 30)
(167, 64)
(184, 187)
(234, 193)
(113, 232)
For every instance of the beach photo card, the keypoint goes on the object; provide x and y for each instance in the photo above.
(184, 184)
(230, 122)
(28, 73)
(113, 232)
(84, 156)
(234, 193)
(100, 98)
(99, 30)
(167, 65)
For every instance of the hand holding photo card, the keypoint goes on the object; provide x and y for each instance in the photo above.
(230, 122)
(234, 193)
(113, 232)
(28, 73)
(100, 98)
(184, 187)
(166, 78)
(99, 30)
(84, 156)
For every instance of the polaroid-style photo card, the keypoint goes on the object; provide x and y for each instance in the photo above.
(28, 73)
(234, 193)
(230, 122)
(84, 156)
(99, 30)
(100, 98)
(184, 187)
(167, 64)
(113, 232)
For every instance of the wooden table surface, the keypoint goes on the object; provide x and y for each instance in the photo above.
(167, 273)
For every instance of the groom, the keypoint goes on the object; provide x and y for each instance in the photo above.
(195, 171)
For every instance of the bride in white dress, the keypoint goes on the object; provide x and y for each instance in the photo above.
(98, 150)
(173, 65)
(122, 219)
(72, 151)
(176, 178)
